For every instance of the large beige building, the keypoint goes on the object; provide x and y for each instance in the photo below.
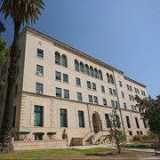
(63, 92)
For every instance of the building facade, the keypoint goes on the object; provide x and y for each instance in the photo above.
(65, 93)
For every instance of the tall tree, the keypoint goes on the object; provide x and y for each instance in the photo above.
(21, 12)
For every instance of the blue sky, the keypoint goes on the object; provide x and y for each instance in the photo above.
(123, 33)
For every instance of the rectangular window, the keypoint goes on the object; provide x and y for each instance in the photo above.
(58, 92)
(94, 86)
(95, 99)
(38, 116)
(39, 88)
(110, 91)
(65, 78)
(128, 122)
(137, 123)
(120, 84)
(104, 102)
(66, 93)
(39, 70)
(79, 96)
(38, 136)
(89, 84)
(58, 76)
(102, 89)
(114, 92)
(122, 93)
(81, 119)
(63, 118)
(145, 123)
(125, 105)
(90, 98)
(78, 81)
(108, 121)
(112, 103)
(40, 53)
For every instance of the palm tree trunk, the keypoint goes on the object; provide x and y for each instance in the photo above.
(6, 133)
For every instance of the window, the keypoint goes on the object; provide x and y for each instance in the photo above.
(57, 58)
(114, 92)
(81, 67)
(81, 119)
(108, 78)
(65, 78)
(40, 53)
(58, 76)
(64, 60)
(111, 79)
(76, 64)
(91, 71)
(89, 84)
(145, 123)
(78, 81)
(63, 118)
(39, 88)
(108, 121)
(39, 70)
(118, 121)
(94, 86)
(117, 104)
(112, 103)
(110, 91)
(137, 123)
(96, 99)
(120, 84)
(104, 102)
(100, 74)
(125, 105)
(122, 93)
(38, 116)
(87, 69)
(128, 122)
(58, 92)
(102, 89)
(79, 96)
(38, 136)
(130, 133)
(66, 93)
(95, 73)
(90, 98)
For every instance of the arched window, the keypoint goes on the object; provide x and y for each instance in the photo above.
(100, 74)
(111, 78)
(87, 69)
(64, 60)
(76, 64)
(57, 58)
(81, 67)
(91, 71)
(95, 73)
(108, 78)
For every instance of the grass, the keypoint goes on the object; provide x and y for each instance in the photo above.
(51, 153)
(139, 145)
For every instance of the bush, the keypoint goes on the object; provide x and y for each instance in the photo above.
(139, 145)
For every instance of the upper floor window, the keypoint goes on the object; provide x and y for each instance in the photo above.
(78, 81)
(91, 71)
(64, 60)
(104, 102)
(39, 70)
(108, 121)
(87, 69)
(65, 78)
(94, 86)
(102, 89)
(128, 122)
(39, 88)
(95, 73)
(122, 93)
(38, 116)
(40, 53)
(95, 99)
(125, 105)
(76, 64)
(66, 93)
(81, 67)
(110, 91)
(81, 119)
(120, 84)
(110, 78)
(89, 84)
(90, 98)
(58, 92)
(57, 58)
(100, 74)
(58, 76)
(79, 96)
(114, 92)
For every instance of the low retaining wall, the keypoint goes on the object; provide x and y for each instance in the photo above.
(21, 145)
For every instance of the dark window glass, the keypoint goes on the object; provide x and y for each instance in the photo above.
(128, 122)
(76, 64)
(91, 71)
(39, 70)
(65, 78)
(112, 79)
(102, 89)
(95, 73)
(58, 76)
(81, 67)
(100, 74)
(78, 81)
(137, 123)
(57, 58)
(39, 88)
(125, 105)
(87, 69)
(108, 78)
(118, 121)
(96, 99)
(38, 136)
(63, 118)
(81, 119)
(89, 84)
(40, 53)
(79, 96)
(90, 98)
(120, 84)
(94, 86)
(38, 116)
(104, 102)
(108, 121)
(58, 92)
(66, 93)
(64, 60)
(145, 123)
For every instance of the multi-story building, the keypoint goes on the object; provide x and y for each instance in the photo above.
(61, 89)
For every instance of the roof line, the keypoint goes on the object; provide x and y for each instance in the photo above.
(78, 52)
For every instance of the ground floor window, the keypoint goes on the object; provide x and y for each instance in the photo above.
(38, 136)
(108, 121)
(63, 118)
(38, 116)
(81, 119)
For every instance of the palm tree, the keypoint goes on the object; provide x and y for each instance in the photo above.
(22, 12)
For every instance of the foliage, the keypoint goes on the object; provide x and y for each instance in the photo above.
(150, 111)
(139, 145)
(116, 134)
(3, 51)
